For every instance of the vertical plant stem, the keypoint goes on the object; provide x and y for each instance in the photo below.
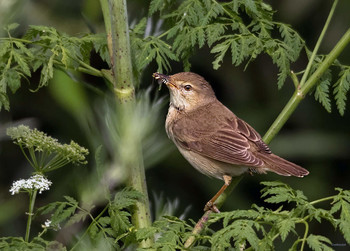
(32, 197)
(116, 23)
(319, 41)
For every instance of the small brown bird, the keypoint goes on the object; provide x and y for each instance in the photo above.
(213, 139)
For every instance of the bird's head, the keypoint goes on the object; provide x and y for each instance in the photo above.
(188, 90)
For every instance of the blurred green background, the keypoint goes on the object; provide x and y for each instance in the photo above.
(313, 138)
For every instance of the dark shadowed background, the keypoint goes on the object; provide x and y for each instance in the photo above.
(313, 138)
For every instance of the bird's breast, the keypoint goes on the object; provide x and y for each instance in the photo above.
(171, 118)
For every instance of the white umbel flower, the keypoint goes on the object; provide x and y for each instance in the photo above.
(36, 182)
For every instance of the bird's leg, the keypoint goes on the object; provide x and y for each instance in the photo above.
(211, 204)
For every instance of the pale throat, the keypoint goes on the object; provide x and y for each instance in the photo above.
(177, 101)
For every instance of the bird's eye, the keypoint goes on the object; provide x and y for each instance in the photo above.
(188, 87)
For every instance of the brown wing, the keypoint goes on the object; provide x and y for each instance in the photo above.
(220, 136)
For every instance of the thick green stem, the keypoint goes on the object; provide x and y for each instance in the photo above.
(116, 23)
(32, 197)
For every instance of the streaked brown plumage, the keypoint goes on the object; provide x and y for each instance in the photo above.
(213, 139)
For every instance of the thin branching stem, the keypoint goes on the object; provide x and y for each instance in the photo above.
(322, 200)
(33, 157)
(317, 46)
(305, 234)
(26, 156)
(88, 229)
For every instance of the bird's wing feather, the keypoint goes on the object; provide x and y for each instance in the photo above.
(223, 137)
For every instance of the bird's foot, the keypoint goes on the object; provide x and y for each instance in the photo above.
(212, 207)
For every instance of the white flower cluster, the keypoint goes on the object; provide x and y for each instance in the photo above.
(37, 182)
(47, 224)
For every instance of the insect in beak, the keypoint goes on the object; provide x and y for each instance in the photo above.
(164, 79)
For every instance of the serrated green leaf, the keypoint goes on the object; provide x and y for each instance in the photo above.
(285, 226)
(21, 62)
(120, 221)
(104, 221)
(48, 208)
(71, 200)
(322, 94)
(155, 5)
(80, 216)
(46, 72)
(344, 223)
(318, 242)
(62, 213)
(240, 231)
(4, 47)
(220, 50)
(13, 80)
(4, 101)
(145, 233)
(341, 88)
(126, 198)
(11, 27)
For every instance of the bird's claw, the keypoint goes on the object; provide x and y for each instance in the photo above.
(212, 207)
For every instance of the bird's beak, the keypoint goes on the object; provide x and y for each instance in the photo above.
(165, 79)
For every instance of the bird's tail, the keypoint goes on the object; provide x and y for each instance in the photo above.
(282, 167)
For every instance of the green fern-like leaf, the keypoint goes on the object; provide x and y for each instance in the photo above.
(280, 192)
(280, 57)
(285, 227)
(12, 79)
(157, 5)
(322, 94)
(126, 198)
(240, 231)
(120, 221)
(342, 204)
(60, 211)
(80, 216)
(292, 39)
(318, 242)
(341, 88)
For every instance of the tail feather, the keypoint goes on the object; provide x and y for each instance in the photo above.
(281, 166)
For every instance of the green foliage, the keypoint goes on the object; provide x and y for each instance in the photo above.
(222, 28)
(43, 48)
(243, 29)
(238, 29)
(259, 228)
(318, 242)
(43, 152)
(147, 49)
(341, 88)
(37, 244)
(62, 211)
